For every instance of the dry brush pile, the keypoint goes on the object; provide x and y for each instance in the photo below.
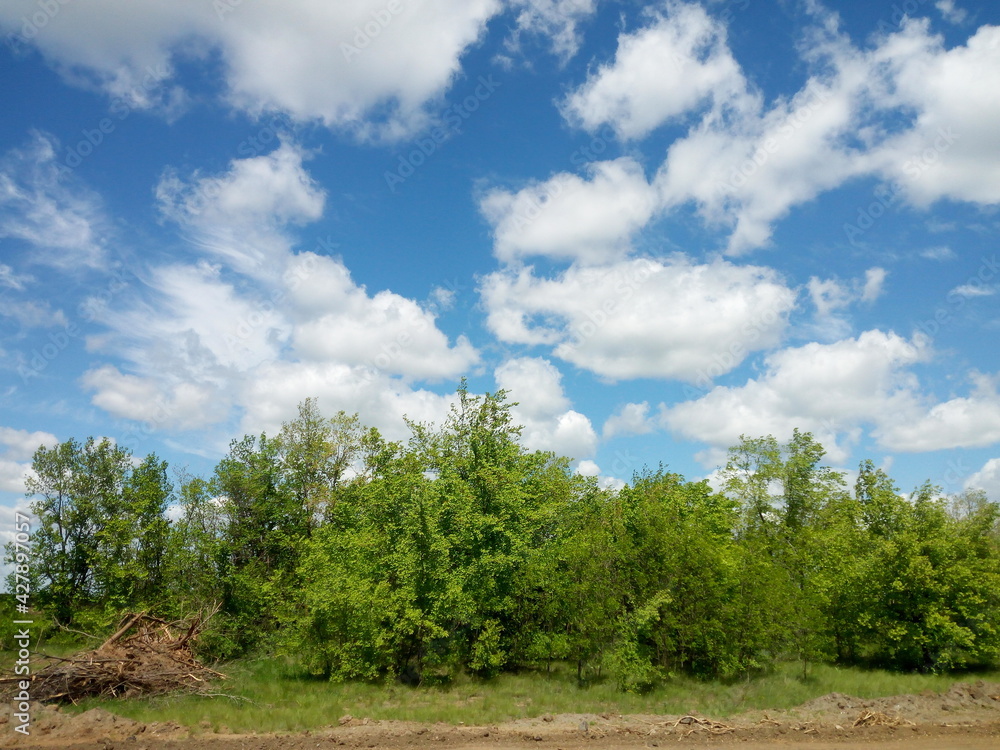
(146, 656)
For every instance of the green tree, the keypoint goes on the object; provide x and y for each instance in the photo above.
(783, 491)
(316, 454)
(195, 549)
(101, 531)
(264, 525)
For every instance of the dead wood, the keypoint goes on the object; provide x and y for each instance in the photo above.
(145, 656)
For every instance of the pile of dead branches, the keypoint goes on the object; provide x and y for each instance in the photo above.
(146, 656)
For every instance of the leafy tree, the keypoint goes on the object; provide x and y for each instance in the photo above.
(783, 491)
(316, 454)
(195, 549)
(925, 597)
(101, 531)
(264, 526)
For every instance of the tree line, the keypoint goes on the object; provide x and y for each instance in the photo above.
(461, 551)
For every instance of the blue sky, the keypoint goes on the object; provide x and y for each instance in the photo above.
(658, 225)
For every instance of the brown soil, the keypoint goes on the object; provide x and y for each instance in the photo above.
(966, 717)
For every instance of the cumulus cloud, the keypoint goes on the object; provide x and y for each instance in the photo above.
(202, 337)
(381, 401)
(161, 406)
(571, 218)
(643, 318)
(831, 297)
(21, 444)
(678, 63)
(15, 460)
(963, 422)
(338, 321)
(242, 216)
(543, 408)
(951, 12)
(834, 390)
(629, 419)
(368, 66)
(952, 150)
(988, 479)
(827, 389)
(907, 111)
(591, 469)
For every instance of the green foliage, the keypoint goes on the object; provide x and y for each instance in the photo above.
(460, 553)
(925, 592)
(101, 532)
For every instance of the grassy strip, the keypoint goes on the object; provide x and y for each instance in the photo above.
(283, 699)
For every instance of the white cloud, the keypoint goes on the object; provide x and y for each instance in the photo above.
(643, 318)
(542, 407)
(950, 12)
(558, 20)
(833, 390)
(973, 290)
(241, 217)
(906, 111)
(941, 252)
(32, 314)
(873, 286)
(15, 462)
(676, 64)
(22, 444)
(952, 150)
(827, 389)
(748, 172)
(272, 395)
(42, 204)
(338, 321)
(12, 476)
(569, 218)
(961, 422)
(988, 479)
(831, 296)
(630, 419)
(197, 340)
(159, 405)
(11, 279)
(591, 469)
(370, 66)
(828, 295)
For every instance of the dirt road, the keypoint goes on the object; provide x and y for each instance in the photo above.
(966, 717)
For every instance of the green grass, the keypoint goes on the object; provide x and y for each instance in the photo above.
(283, 699)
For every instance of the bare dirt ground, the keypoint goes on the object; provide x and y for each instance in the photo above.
(966, 717)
